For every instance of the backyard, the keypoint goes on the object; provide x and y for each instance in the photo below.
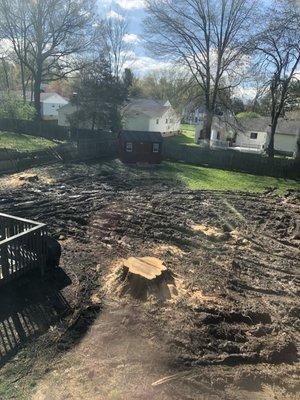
(24, 143)
(229, 330)
(187, 135)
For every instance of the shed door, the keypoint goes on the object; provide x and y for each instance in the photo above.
(143, 147)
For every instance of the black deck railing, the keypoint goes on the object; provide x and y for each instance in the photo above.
(22, 247)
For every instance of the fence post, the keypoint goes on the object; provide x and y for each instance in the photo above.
(4, 262)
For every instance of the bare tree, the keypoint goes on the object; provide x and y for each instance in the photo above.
(45, 34)
(111, 35)
(209, 37)
(279, 47)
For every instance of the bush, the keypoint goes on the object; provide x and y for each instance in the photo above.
(14, 108)
(249, 114)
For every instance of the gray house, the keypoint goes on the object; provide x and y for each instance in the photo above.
(253, 134)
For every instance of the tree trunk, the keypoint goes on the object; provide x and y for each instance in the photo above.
(207, 125)
(270, 149)
(297, 155)
(37, 94)
(5, 73)
(23, 82)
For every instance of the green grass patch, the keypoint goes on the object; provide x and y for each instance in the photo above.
(201, 178)
(187, 136)
(24, 143)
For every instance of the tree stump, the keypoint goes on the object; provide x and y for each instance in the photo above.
(146, 276)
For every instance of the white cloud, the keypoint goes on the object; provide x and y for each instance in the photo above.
(131, 4)
(6, 47)
(297, 74)
(246, 93)
(131, 38)
(115, 15)
(142, 65)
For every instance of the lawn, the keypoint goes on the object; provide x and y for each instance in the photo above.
(24, 143)
(187, 136)
(201, 178)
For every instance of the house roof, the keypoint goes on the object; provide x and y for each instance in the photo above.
(48, 95)
(68, 108)
(151, 108)
(285, 126)
(262, 124)
(136, 136)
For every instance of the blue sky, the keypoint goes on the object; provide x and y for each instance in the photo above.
(134, 11)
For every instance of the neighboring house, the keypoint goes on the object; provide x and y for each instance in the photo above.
(145, 115)
(141, 147)
(50, 102)
(65, 113)
(258, 130)
(192, 115)
(222, 132)
(253, 134)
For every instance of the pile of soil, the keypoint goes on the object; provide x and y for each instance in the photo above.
(237, 255)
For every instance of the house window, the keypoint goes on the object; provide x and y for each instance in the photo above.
(155, 147)
(253, 135)
(166, 120)
(128, 147)
(157, 121)
(218, 135)
(196, 120)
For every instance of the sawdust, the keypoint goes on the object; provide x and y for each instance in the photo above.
(23, 178)
(199, 297)
(209, 231)
(96, 299)
(239, 238)
(171, 249)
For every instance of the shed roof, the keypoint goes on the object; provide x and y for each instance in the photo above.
(136, 136)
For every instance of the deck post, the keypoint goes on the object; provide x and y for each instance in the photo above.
(4, 262)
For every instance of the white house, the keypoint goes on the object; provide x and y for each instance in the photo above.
(149, 115)
(64, 113)
(50, 104)
(252, 134)
(258, 130)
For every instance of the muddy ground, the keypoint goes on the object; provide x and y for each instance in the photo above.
(230, 332)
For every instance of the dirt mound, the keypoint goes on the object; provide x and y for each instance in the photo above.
(143, 278)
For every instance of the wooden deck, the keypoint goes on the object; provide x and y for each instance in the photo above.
(21, 247)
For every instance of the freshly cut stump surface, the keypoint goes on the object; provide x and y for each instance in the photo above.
(147, 267)
(143, 277)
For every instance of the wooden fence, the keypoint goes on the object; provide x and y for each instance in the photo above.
(233, 160)
(46, 129)
(22, 247)
(96, 145)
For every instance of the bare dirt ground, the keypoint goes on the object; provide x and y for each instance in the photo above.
(231, 330)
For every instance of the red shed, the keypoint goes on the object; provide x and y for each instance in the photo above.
(143, 147)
